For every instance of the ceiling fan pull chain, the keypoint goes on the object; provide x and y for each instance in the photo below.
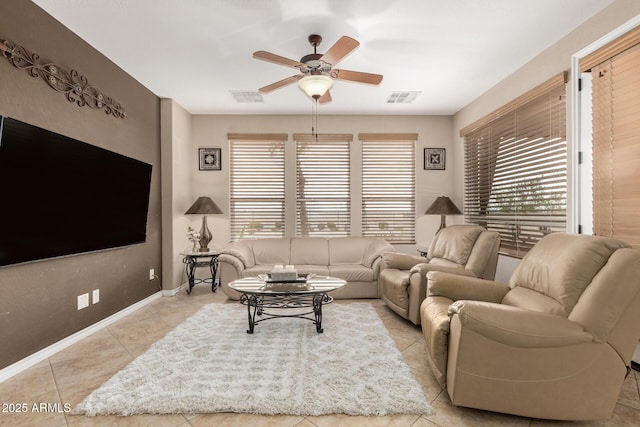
(313, 128)
(315, 102)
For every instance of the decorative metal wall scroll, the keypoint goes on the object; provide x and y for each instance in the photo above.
(75, 86)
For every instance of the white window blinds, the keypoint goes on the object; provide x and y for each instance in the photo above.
(256, 180)
(388, 187)
(515, 168)
(323, 204)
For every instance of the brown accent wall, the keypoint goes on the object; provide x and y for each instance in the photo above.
(38, 300)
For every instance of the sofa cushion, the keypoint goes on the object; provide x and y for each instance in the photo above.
(256, 270)
(352, 272)
(347, 250)
(309, 250)
(271, 251)
(320, 270)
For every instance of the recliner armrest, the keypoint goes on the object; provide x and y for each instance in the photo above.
(457, 287)
(424, 268)
(517, 327)
(401, 261)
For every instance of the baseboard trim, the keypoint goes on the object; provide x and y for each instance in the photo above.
(49, 351)
(174, 292)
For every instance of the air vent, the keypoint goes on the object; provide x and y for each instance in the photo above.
(246, 96)
(402, 97)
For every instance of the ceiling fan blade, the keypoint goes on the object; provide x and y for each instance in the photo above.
(339, 50)
(276, 59)
(279, 84)
(325, 98)
(356, 76)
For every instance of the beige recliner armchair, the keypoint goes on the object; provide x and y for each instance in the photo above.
(556, 342)
(468, 250)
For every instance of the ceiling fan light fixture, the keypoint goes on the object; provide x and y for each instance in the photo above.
(315, 85)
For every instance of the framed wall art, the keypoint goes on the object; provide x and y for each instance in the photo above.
(209, 159)
(434, 158)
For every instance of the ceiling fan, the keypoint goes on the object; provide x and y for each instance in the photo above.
(316, 69)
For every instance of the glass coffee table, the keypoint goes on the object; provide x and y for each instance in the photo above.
(307, 294)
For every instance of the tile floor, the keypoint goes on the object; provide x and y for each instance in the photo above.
(70, 375)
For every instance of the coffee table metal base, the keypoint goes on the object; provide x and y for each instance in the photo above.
(259, 304)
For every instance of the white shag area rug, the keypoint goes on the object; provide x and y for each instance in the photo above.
(210, 364)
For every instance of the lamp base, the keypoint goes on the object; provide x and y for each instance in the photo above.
(443, 223)
(205, 236)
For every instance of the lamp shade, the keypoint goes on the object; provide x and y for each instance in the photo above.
(443, 206)
(315, 85)
(204, 205)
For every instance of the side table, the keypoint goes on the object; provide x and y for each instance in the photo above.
(423, 248)
(194, 259)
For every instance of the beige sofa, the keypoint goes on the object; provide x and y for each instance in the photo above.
(556, 342)
(468, 250)
(357, 260)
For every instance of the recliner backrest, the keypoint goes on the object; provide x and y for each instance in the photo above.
(608, 308)
(553, 275)
(452, 245)
(483, 258)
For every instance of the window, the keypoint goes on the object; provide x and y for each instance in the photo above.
(256, 175)
(323, 203)
(515, 168)
(388, 187)
(616, 144)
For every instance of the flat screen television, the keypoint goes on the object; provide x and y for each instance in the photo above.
(60, 196)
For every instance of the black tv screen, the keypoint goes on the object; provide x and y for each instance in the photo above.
(60, 196)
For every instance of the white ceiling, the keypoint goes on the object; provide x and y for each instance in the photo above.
(197, 51)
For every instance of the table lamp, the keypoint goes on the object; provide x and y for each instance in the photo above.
(205, 206)
(443, 206)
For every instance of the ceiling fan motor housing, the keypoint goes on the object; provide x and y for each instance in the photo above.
(313, 63)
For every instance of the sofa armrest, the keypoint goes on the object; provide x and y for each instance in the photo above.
(457, 287)
(233, 260)
(517, 327)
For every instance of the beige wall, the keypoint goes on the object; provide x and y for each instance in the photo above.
(176, 135)
(38, 302)
(552, 61)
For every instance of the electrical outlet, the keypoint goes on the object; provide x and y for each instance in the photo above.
(95, 298)
(83, 301)
(152, 274)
